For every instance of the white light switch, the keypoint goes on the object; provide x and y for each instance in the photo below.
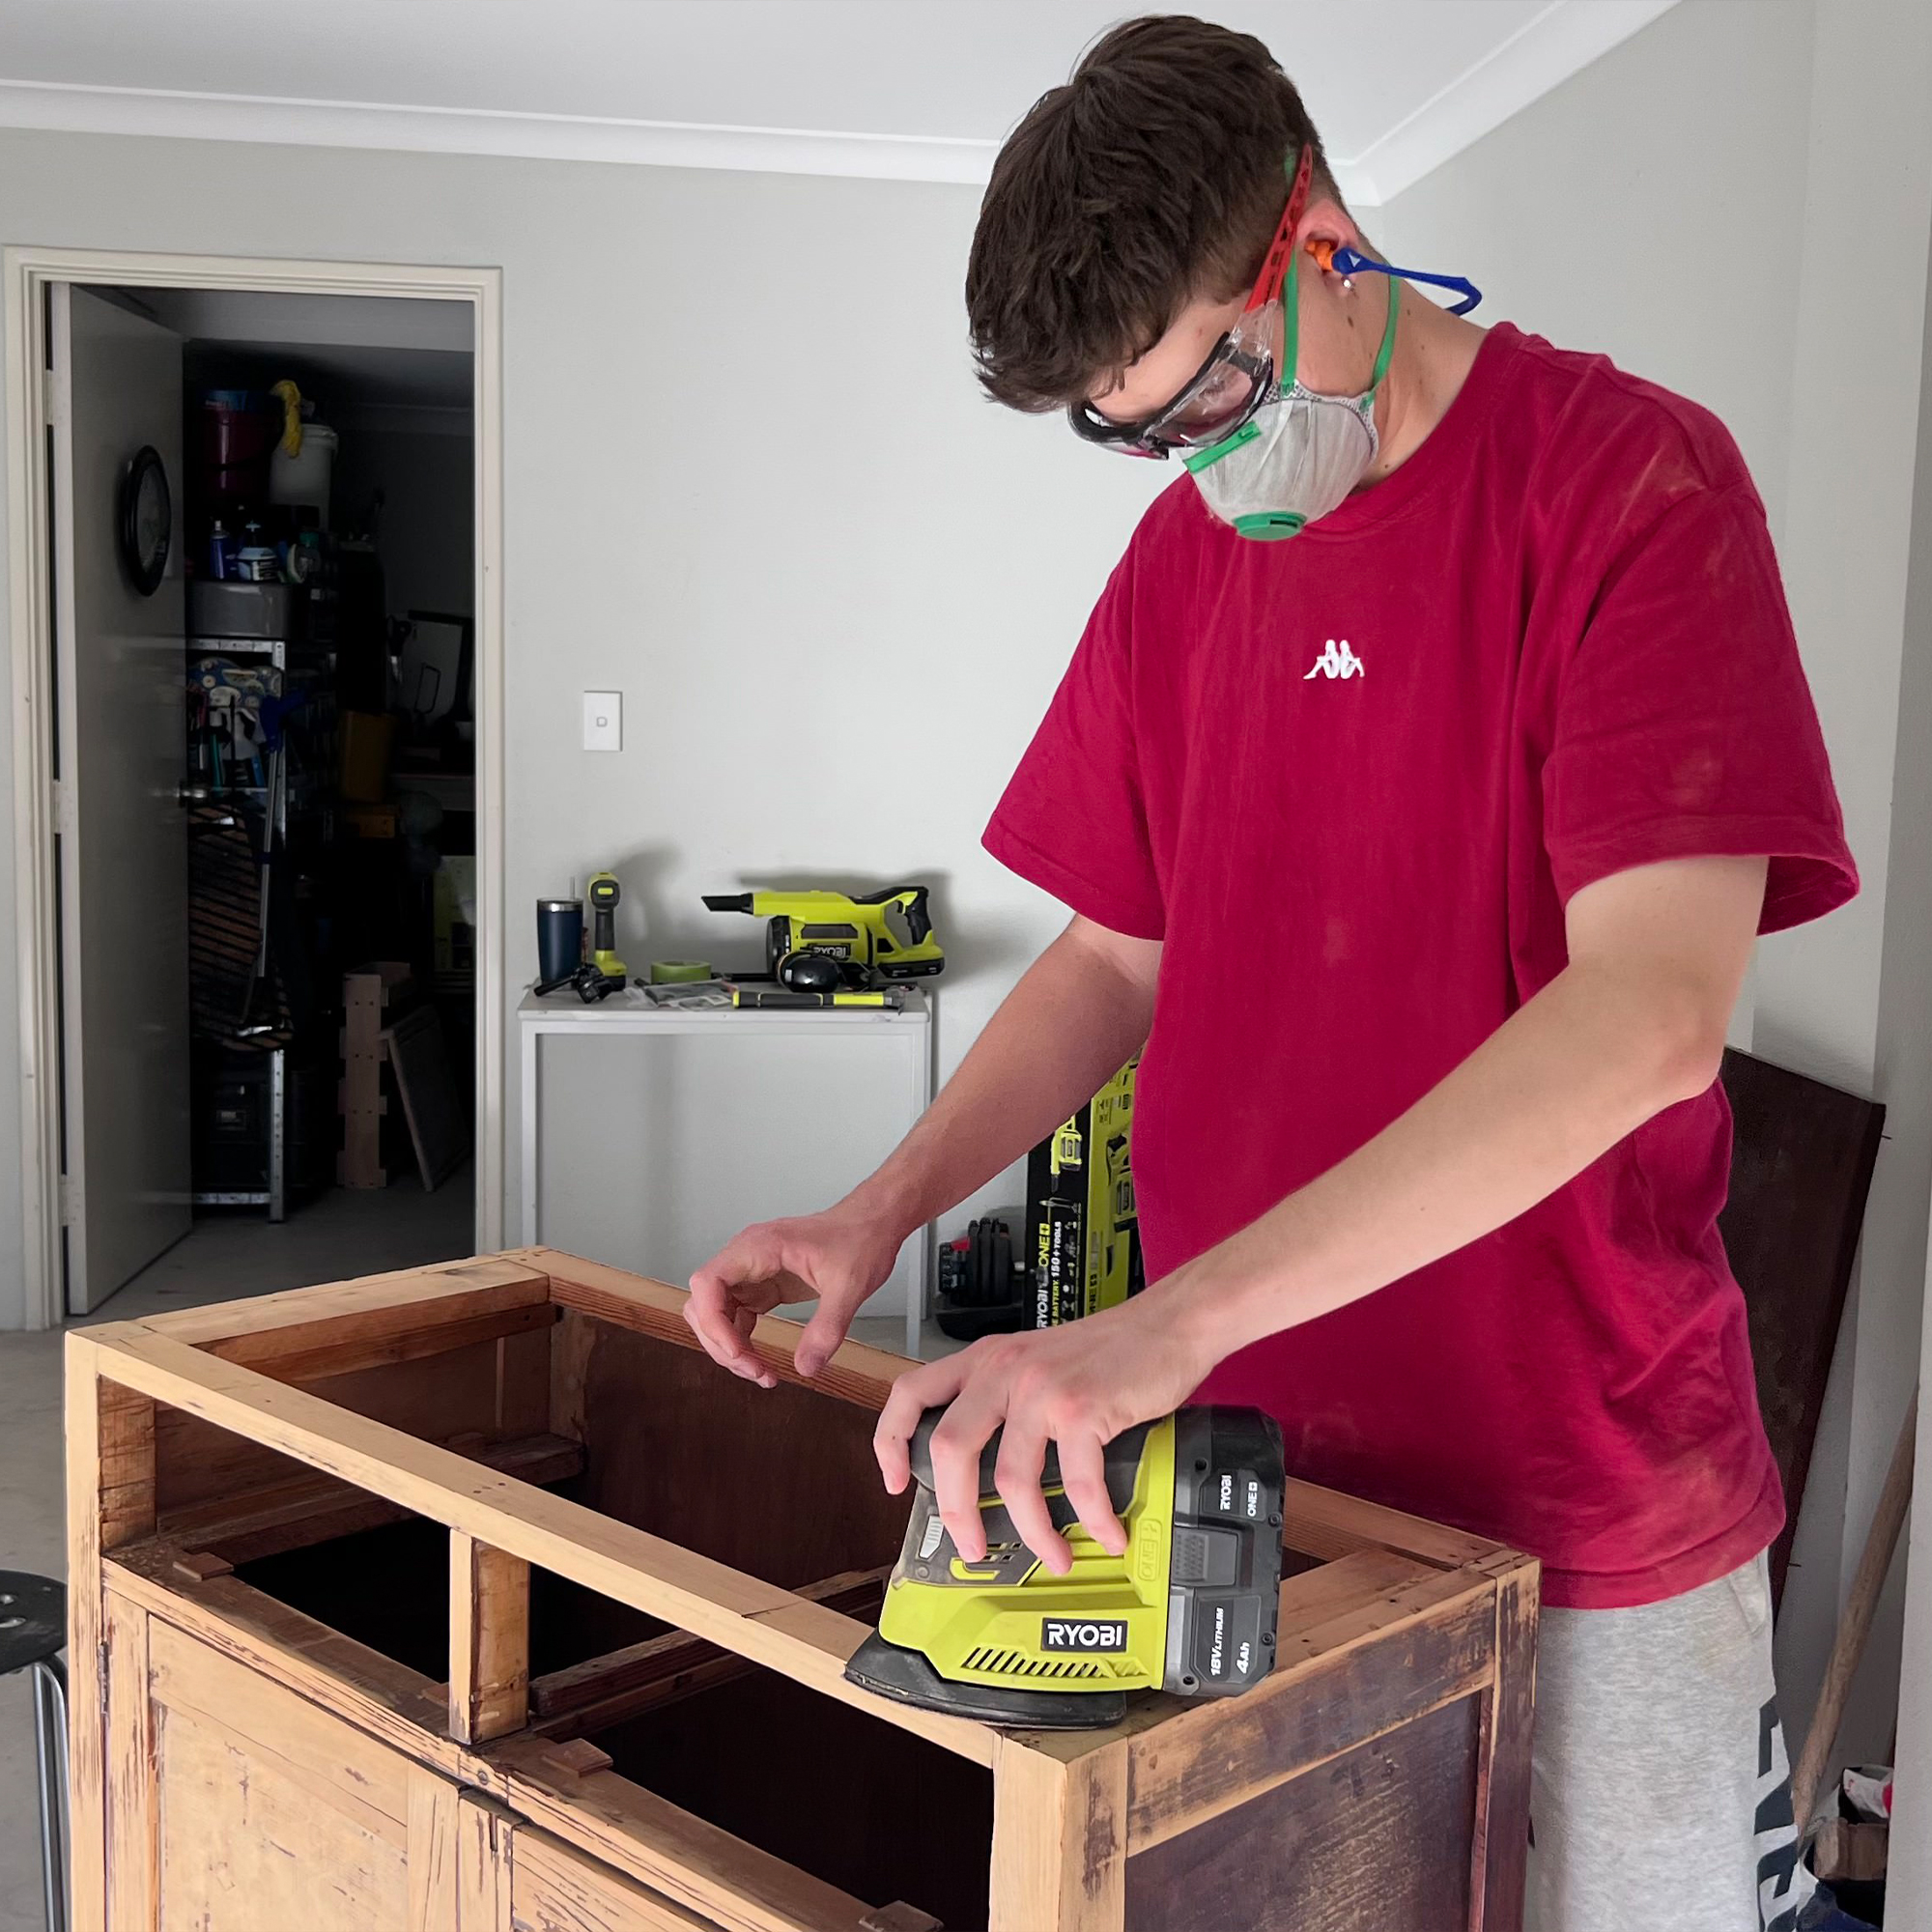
(602, 720)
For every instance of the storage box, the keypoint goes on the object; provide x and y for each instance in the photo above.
(1086, 1229)
(474, 1598)
(374, 996)
(264, 612)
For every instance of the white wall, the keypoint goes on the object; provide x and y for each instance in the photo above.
(749, 482)
(1686, 204)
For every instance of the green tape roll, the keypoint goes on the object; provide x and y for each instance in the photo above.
(678, 972)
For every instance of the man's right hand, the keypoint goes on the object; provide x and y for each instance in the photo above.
(838, 1259)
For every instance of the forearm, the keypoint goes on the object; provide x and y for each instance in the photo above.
(1568, 1075)
(1074, 1020)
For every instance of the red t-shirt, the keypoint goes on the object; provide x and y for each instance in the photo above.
(1350, 780)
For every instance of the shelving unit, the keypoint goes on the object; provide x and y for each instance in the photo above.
(284, 656)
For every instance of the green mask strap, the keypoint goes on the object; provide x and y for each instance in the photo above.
(1290, 330)
(1290, 320)
(1291, 346)
(1386, 352)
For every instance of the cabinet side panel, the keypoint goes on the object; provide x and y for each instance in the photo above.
(132, 1817)
(1500, 1856)
(1375, 1840)
(110, 1501)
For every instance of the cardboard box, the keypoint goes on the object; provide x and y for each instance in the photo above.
(1080, 1191)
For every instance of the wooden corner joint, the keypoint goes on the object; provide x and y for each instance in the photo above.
(573, 1761)
(197, 1566)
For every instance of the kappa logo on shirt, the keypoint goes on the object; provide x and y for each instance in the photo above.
(1337, 660)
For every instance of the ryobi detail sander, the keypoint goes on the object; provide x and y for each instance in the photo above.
(1189, 1609)
(888, 933)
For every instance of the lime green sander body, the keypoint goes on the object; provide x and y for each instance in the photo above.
(1189, 1609)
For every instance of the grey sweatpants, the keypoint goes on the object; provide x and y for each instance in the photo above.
(1660, 1790)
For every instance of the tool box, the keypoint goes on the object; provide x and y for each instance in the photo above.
(1087, 1239)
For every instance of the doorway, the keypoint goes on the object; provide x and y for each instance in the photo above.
(258, 771)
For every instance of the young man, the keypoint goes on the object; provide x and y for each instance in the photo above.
(1430, 763)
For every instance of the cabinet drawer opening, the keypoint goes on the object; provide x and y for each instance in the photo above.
(831, 1790)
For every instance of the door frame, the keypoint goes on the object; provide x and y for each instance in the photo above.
(26, 272)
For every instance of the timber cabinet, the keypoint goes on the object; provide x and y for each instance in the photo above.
(473, 1598)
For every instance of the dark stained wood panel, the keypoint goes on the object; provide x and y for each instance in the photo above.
(1801, 1161)
(1377, 1840)
(779, 1483)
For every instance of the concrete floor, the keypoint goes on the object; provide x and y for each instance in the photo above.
(339, 1235)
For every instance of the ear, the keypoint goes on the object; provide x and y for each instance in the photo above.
(1325, 227)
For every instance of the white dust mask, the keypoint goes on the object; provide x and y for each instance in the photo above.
(1301, 454)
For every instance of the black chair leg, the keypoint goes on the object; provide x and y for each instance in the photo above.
(49, 1681)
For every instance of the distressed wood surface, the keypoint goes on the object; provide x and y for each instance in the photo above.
(262, 1794)
(449, 1398)
(875, 1812)
(1326, 1524)
(558, 1889)
(431, 1851)
(757, 1620)
(684, 1465)
(110, 1503)
(1375, 1840)
(1377, 1778)
(1060, 1842)
(310, 1509)
(379, 1695)
(856, 1374)
(366, 1307)
(483, 1841)
(571, 1342)
(1215, 1755)
(723, 1879)
(1499, 1854)
(133, 1811)
(314, 1352)
(624, 1684)
(489, 1640)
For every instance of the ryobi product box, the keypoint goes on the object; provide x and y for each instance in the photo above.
(1080, 1188)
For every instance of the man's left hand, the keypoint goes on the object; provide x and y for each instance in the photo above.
(1077, 1387)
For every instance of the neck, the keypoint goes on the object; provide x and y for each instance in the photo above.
(1435, 351)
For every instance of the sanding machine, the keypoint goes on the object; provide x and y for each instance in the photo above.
(1189, 1609)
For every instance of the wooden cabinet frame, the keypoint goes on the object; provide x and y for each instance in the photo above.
(1397, 1620)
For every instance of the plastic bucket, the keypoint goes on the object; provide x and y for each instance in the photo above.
(302, 479)
(235, 442)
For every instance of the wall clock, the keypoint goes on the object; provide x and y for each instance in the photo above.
(147, 520)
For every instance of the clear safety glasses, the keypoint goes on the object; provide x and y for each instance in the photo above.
(1235, 378)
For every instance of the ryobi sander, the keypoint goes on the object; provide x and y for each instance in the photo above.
(1190, 1608)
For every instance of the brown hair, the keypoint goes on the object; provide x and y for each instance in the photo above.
(1154, 177)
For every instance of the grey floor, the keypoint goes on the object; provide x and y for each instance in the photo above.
(339, 1235)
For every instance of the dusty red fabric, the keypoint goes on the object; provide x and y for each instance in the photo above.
(1350, 780)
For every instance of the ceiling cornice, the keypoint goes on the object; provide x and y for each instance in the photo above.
(553, 137)
(1543, 53)
(1554, 44)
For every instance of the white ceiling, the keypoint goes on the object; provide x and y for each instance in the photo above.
(914, 89)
